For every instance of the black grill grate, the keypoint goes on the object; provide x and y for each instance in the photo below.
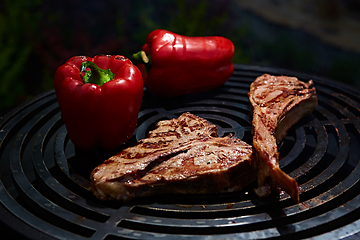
(44, 188)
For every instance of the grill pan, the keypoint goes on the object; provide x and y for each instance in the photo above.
(44, 187)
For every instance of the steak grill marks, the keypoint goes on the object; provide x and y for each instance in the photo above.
(168, 138)
(181, 155)
(278, 102)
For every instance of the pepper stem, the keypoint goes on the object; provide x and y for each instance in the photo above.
(96, 75)
(141, 57)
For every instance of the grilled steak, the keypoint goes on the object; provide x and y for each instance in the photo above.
(278, 102)
(182, 155)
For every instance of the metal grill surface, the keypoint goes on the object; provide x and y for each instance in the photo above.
(44, 187)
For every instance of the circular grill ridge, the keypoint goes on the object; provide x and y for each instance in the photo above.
(44, 188)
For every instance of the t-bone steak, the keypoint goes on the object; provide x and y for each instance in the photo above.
(277, 102)
(183, 155)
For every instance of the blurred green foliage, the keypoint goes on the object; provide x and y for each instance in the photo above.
(36, 37)
(16, 25)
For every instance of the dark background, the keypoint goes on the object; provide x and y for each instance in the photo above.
(319, 37)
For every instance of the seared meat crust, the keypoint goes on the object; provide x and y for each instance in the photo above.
(181, 155)
(278, 102)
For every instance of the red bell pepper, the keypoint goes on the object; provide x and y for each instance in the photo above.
(174, 64)
(99, 99)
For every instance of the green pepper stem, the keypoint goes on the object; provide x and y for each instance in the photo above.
(96, 75)
(142, 58)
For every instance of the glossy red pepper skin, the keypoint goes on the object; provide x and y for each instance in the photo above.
(182, 64)
(99, 117)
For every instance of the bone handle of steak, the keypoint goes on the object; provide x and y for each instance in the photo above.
(286, 182)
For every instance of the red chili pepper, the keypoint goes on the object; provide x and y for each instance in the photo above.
(99, 107)
(177, 65)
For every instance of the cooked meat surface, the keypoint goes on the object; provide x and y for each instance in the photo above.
(182, 155)
(278, 102)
